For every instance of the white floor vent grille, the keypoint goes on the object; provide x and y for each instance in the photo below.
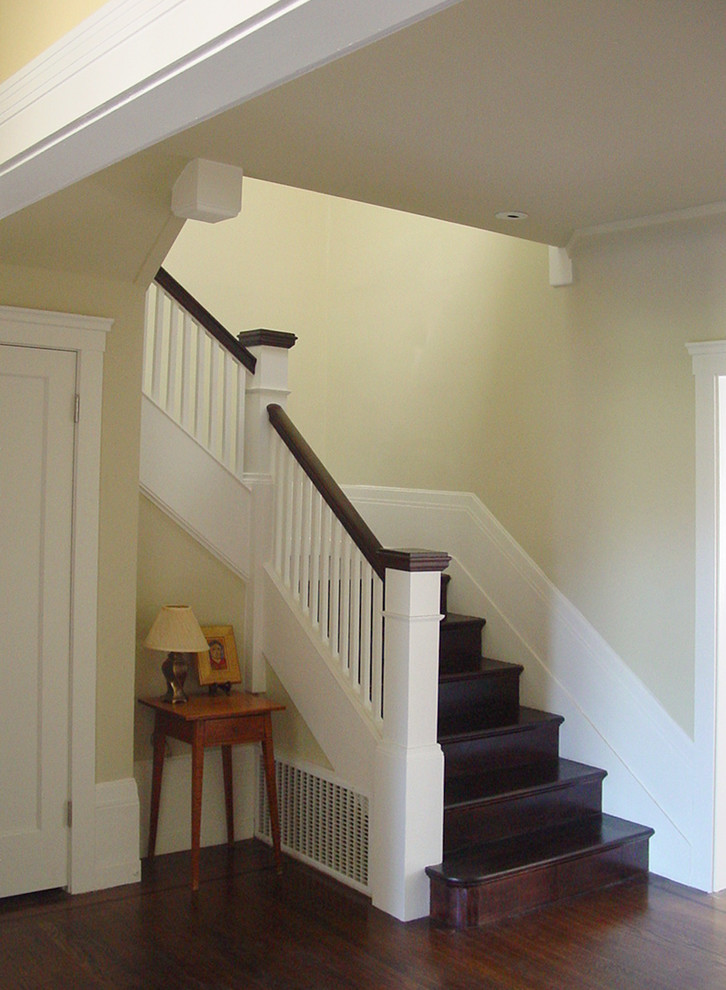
(322, 821)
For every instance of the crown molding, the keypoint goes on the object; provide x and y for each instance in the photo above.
(642, 223)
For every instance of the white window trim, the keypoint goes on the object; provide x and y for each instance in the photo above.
(86, 336)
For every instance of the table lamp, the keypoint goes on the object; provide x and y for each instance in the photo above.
(176, 631)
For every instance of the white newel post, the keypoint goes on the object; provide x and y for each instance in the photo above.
(267, 385)
(408, 798)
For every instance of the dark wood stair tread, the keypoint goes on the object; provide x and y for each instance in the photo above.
(487, 667)
(514, 782)
(452, 619)
(527, 719)
(484, 863)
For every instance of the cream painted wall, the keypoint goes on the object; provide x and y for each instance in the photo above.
(173, 567)
(68, 292)
(569, 412)
(270, 271)
(28, 28)
(438, 356)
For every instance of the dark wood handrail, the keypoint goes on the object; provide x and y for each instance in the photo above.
(195, 309)
(329, 488)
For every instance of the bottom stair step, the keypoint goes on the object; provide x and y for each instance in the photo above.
(485, 883)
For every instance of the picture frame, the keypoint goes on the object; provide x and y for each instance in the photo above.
(220, 665)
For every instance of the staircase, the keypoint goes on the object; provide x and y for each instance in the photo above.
(522, 826)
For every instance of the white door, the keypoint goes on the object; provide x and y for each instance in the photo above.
(37, 390)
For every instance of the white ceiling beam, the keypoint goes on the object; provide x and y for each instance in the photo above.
(139, 71)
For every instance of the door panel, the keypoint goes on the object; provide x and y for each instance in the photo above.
(37, 389)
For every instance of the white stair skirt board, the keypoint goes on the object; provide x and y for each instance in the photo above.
(611, 720)
(174, 830)
(319, 690)
(117, 834)
(195, 490)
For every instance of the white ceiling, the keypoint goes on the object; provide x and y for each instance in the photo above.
(581, 113)
(578, 112)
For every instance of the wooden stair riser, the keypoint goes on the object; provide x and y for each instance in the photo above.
(506, 815)
(443, 602)
(538, 743)
(490, 716)
(507, 896)
(460, 644)
(481, 701)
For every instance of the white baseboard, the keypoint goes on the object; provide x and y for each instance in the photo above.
(174, 828)
(117, 834)
(611, 719)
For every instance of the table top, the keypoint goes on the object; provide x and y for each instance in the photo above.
(237, 704)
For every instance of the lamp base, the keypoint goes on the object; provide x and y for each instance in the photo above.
(174, 669)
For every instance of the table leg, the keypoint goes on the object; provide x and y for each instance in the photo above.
(268, 756)
(158, 769)
(228, 792)
(197, 776)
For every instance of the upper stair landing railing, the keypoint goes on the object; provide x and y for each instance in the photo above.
(196, 371)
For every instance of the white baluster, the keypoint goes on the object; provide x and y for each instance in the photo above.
(315, 535)
(239, 457)
(325, 553)
(186, 413)
(377, 652)
(279, 475)
(229, 413)
(345, 578)
(336, 577)
(158, 363)
(365, 632)
(201, 390)
(305, 542)
(215, 398)
(173, 364)
(355, 587)
(289, 483)
(296, 528)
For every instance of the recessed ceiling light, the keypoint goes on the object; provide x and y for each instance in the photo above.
(511, 215)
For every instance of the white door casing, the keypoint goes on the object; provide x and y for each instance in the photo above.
(85, 338)
(37, 389)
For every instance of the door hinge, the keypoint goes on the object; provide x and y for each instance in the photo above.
(77, 409)
(69, 813)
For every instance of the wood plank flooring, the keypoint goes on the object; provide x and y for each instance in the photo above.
(247, 927)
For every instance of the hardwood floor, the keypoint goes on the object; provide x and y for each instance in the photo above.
(247, 927)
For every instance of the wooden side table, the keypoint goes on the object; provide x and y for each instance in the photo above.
(219, 720)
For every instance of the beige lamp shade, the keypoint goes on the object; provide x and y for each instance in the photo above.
(176, 630)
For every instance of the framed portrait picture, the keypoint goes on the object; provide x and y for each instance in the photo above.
(220, 665)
